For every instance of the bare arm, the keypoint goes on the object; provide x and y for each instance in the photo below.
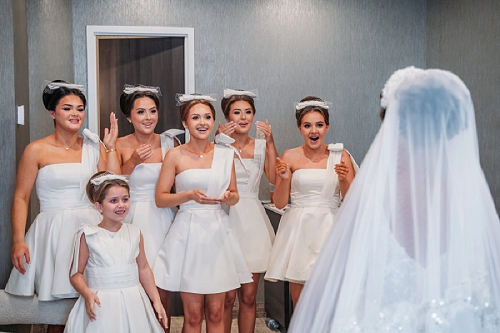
(26, 176)
(231, 197)
(147, 280)
(78, 282)
(283, 182)
(271, 152)
(109, 159)
(345, 172)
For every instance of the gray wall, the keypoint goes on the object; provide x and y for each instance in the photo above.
(50, 57)
(340, 50)
(7, 135)
(463, 37)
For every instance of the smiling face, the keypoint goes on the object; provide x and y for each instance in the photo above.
(115, 205)
(313, 129)
(199, 121)
(69, 113)
(144, 115)
(241, 113)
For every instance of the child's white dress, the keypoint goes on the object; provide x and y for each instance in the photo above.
(112, 273)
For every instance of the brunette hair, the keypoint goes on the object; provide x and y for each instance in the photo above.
(51, 97)
(227, 102)
(185, 107)
(127, 100)
(97, 193)
(299, 114)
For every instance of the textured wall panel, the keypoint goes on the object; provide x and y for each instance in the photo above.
(50, 47)
(7, 136)
(340, 50)
(463, 38)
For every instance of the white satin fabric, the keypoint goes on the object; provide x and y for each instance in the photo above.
(154, 222)
(113, 275)
(416, 247)
(64, 207)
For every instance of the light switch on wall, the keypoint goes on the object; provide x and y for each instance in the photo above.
(20, 115)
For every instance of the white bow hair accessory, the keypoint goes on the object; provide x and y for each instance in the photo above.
(56, 85)
(321, 104)
(231, 92)
(183, 98)
(101, 179)
(130, 89)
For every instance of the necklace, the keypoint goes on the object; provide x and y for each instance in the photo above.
(67, 148)
(247, 140)
(314, 159)
(197, 153)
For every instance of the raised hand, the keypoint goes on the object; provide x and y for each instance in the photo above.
(283, 169)
(142, 153)
(227, 128)
(111, 134)
(265, 128)
(342, 170)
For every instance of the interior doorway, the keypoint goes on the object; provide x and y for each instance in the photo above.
(155, 61)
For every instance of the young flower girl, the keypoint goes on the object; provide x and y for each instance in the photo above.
(114, 295)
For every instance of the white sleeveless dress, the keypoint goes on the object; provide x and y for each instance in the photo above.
(248, 218)
(154, 222)
(315, 196)
(64, 207)
(201, 254)
(112, 274)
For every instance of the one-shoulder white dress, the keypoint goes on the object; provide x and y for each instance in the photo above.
(64, 207)
(112, 274)
(315, 196)
(201, 253)
(248, 218)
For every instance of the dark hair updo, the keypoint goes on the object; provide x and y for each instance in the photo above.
(299, 114)
(51, 97)
(227, 102)
(97, 193)
(185, 107)
(127, 100)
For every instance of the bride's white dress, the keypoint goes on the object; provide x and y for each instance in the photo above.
(416, 246)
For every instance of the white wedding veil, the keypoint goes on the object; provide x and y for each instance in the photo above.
(416, 246)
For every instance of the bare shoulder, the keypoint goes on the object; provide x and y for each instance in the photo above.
(292, 154)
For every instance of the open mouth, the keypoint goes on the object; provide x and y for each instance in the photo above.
(120, 212)
(147, 124)
(74, 121)
(314, 139)
(243, 124)
(202, 130)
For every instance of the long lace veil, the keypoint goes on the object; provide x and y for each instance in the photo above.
(416, 247)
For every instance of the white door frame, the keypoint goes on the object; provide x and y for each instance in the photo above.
(93, 31)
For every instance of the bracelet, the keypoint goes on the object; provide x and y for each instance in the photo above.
(110, 150)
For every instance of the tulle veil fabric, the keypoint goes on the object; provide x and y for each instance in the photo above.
(416, 247)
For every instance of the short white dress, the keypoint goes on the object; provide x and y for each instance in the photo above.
(201, 253)
(248, 218)
(64, 207)
(113, 275)
(154, 222)
(316, 198)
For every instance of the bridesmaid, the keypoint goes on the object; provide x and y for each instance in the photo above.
(315, 176)
(140, 154)
(248, 218)
(60, 164)
(200, 257)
